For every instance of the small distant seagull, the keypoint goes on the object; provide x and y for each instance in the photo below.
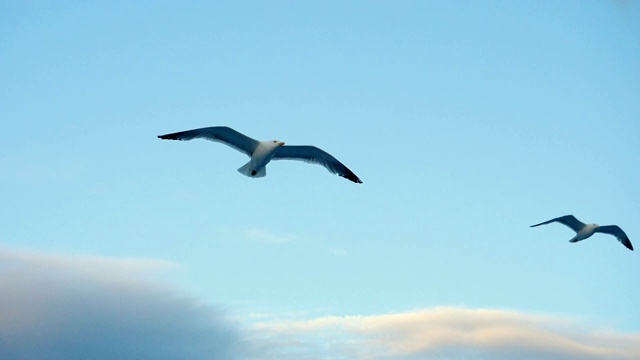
(586, 230)
(262, 152)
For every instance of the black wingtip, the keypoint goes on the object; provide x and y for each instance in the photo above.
(168, 137)
(349, 175)
(353, 178)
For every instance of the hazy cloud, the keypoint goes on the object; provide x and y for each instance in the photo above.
(446, 333)
(338, 252)
(267, 237)
(86, 307)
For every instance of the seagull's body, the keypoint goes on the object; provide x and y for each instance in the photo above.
(584, 231)
(262, 152)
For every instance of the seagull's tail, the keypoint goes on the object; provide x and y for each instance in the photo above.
(575, 239)
(249, 171)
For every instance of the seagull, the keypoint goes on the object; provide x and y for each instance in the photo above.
(586, 230)
(262, 152)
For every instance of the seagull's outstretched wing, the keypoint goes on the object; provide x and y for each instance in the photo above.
(617, 232)
(315, 155)
(223, 134)
(568, 220)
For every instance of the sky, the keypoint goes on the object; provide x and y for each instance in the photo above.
(466, 121)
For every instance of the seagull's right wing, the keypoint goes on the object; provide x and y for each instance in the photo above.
(617, 232)
(568, 220)
(223, 134)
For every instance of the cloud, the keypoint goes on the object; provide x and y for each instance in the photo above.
(78, 307)
(445, 333)
(338, 252)
(267, 237)
(88, 307)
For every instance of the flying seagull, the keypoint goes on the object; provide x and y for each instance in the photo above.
(261, 152)
(586, 230)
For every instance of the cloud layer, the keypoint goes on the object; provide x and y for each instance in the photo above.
(84, 307)
(79, 307)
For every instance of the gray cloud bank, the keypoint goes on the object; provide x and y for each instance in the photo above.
(81, 307)
(61, 307)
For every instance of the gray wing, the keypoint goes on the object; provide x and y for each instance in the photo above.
(617, 232)
(568, 220)
(223, 134)
(314, 155)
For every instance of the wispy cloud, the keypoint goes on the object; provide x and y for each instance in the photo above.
(267, 237)
(448, 333)
(81, 307)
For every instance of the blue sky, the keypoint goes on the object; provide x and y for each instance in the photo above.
(466, 121)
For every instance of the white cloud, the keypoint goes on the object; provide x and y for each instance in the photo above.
(267, 237)
(449, 333)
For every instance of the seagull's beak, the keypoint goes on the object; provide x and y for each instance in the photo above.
(281, 143)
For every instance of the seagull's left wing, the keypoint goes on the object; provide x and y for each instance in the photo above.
(617, 232)
(314, 155)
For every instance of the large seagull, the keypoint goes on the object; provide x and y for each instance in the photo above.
(586, 230)
(262, 152)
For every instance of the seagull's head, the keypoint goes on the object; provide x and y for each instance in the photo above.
(278, 142)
